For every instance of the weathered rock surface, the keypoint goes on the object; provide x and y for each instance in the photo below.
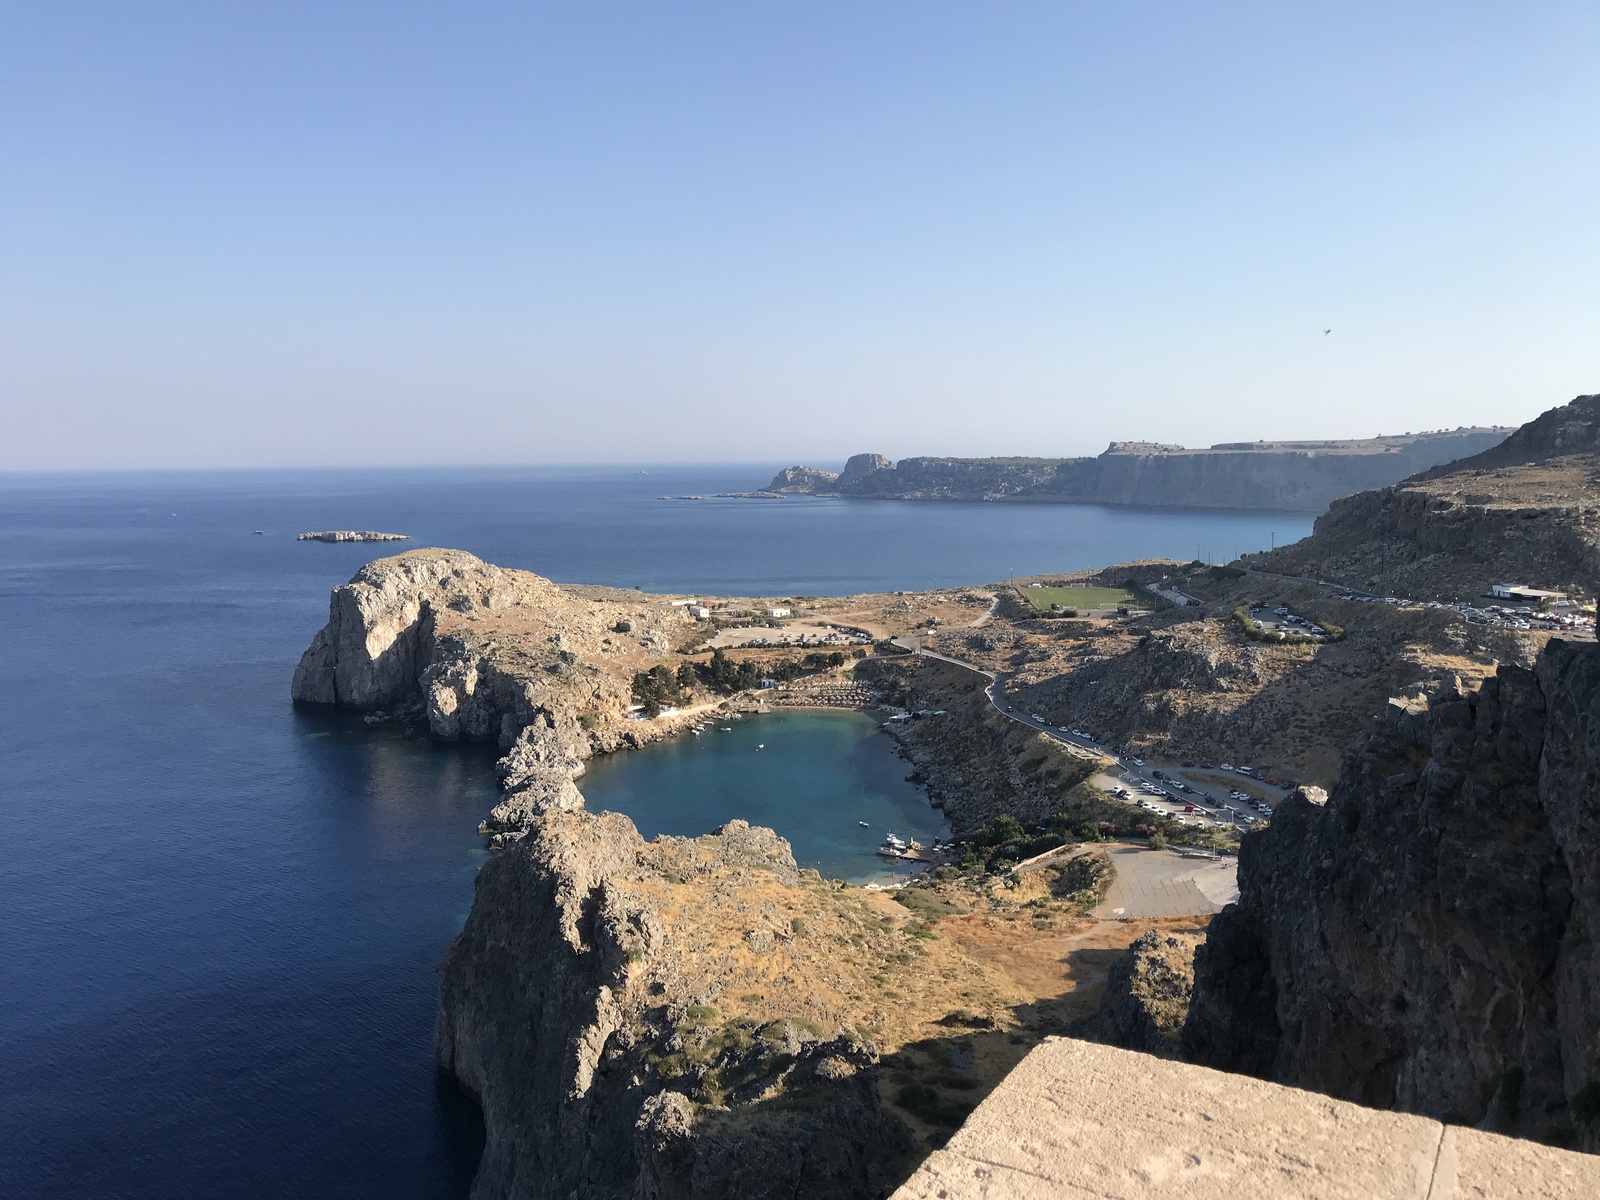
(1079, 1120)
(486, 652)
(577, 1006)
(1526, 511)
(1147, 995)
(1425, 939)
(1300, 476)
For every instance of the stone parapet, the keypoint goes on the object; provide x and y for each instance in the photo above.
(1077, 1119)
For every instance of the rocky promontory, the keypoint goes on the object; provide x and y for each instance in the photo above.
(664, 1020)
(1293, 476)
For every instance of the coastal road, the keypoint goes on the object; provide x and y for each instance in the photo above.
(1211, 806)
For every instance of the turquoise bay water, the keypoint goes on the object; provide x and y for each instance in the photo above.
(811, 774)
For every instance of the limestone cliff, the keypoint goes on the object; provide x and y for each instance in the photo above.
(1425, 938)
(1297, 476)
(485, 652)
(586, 1005)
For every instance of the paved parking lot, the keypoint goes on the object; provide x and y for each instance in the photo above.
(1163, 883)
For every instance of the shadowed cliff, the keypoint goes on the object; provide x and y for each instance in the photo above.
(1425, 937)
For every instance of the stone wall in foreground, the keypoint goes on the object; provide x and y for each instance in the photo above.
(1080, 1119)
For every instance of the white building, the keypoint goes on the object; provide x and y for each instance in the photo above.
(1517, 591)
(779, 612)
(699, 612)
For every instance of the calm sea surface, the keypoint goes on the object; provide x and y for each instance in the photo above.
(221, 917)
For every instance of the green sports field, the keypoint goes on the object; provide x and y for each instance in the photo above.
(1080, 598)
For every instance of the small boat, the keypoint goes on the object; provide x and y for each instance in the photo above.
(863, 825)
(762, 746)
(893, 847)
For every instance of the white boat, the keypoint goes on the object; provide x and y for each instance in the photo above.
(893, 847)
(863, 825)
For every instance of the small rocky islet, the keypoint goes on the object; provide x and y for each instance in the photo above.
(352, 535)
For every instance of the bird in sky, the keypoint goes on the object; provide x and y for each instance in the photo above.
(1325, 332)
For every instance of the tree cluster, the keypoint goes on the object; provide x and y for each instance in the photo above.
(661, 687)
(1003, 842)
(728, 676)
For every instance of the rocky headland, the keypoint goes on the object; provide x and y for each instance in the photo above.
(1288, 476)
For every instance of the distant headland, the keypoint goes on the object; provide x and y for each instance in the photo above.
(1290, 476)
(353, 535)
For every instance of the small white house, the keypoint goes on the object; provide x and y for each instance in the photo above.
(699, 612)
(779, 612)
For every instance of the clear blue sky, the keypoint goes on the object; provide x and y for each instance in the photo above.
(287, 233)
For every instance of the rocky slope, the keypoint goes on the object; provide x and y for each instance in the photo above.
(1424, 939)
(1526, 511)
(1147, 995)
(664, 1020)
(1185, 683)
(1299, 476)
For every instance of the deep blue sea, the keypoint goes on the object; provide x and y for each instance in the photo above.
(219, 918)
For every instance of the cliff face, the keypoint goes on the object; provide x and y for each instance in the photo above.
(1298, 476)
(1526, 511)
(1271, 477)
(584, 1006)
(1425, 939)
